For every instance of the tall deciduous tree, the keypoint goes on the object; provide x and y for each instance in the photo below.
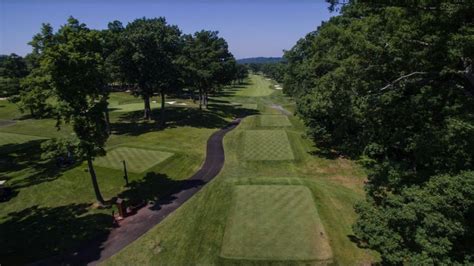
(75, 65)
(147, 58)
(35, 88)
(111, 44)
(207, 62)
(12, 69)
(392, 85)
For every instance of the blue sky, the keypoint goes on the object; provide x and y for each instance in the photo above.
(252, 28)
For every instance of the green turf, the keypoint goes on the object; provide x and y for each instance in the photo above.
(11, 138)
(271, 222)
(137, 160)
(130, 107)
(249, 106)
(266, 145)
(274, 121)
(51, 210)
(260, 87)
(194, 234)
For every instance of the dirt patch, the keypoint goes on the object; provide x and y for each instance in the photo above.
(6, 123)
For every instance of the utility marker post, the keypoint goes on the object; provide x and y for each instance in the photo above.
(125, 174)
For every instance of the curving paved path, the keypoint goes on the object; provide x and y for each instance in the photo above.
(147, 217)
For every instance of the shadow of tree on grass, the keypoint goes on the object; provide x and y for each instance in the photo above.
(215, 116)
(155, 187)
(40, 232)
(26, 156)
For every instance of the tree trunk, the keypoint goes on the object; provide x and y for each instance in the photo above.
(205, 99)
(32, 112)
(200, 99)
(107, 120)
(94, 181)
(147, 109)
(162, 111)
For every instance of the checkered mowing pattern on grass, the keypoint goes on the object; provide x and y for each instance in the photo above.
(271, 145)
(138, 160)
(274, 222)
(274, 121)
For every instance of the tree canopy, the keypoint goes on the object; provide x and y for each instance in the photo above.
(12, 69)
(392, 85)
(146, 57)
(207, 62)
(75, 64)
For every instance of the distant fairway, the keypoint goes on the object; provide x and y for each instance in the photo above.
(138, 160)
(274, 121)
(261, 87)
(260, 145)
(11, 138)
(274, 222)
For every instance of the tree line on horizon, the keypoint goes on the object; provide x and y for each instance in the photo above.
(391, 84)
(69, 73)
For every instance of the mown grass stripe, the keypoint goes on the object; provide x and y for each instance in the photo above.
(138, 160)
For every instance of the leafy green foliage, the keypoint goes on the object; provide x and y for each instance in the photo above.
(207, 62)
(393, 85)
(433, 222)
(146, 57)
(12, 69)
(75, 65)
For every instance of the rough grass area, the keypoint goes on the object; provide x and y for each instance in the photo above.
(138, 160)
(271, 222)
(11, 138)
(274, 121)
(263, 145)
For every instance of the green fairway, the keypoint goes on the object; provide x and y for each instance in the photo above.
(261, 145)
(50, 202)
(11, 138)
(262, 212)
(271, 222)
(260, 87)
(138, 160)
(274, 121)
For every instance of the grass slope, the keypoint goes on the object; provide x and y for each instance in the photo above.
(137, 160)
(198, 232)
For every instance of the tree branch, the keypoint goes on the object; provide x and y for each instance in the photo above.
(402, 78)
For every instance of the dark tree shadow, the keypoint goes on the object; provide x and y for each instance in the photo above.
(17, 157)
(155, 187)
(357, 241)
(40, 232)
(325, 153)
(132, 123)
